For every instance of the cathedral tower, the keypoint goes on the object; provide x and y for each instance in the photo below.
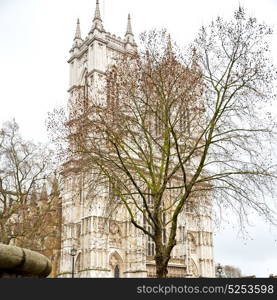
(114, 247)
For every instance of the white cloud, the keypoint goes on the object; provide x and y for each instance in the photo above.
(254, 254)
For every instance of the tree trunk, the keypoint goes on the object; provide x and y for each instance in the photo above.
(161, 271)
(161, 266)
(162, 256)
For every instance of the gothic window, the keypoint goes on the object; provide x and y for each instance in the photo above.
(183, 234)
(159, 125)
(113, 191)
(71, 230)
(184, 119)
(80, 195)
(190, 207)
(91, 87)
(150, 245)
(86, 95)
(191, 243)
(112, 91)
(149, 198)
(85, 60)
(164, 230)
(78, 229)
(86, 223)
(78, 264)
(116, 272)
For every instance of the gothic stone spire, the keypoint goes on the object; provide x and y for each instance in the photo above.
(97, 21)
(169, 48)
(97, 15)
(78, 31)
(43, 193)
(77, 39)
(129, 36)
(129, 26)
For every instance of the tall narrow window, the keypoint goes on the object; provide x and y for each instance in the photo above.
(116, 272)
(164, 229)
(190, 207)
(113, 191)
(150, 247)
(113, 92)
(149, 197)
(86, 87)
(78, 265)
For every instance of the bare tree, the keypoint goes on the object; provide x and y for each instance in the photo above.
(171, 130)
(25, 209)
(232, 272)
(238, 76)
(20, 171)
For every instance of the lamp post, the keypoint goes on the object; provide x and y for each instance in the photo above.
(73, 253)
(219, 270)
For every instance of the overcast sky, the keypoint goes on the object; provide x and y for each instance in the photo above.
(35, 38)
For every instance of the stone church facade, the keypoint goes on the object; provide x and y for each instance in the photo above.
(113, 247)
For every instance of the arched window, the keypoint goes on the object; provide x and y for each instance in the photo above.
(116, 272)
(192, 243)
(78, 265)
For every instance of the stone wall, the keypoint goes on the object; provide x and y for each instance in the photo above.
(18, 262)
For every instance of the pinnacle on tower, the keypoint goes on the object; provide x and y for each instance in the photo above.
(55, 186)
(78, 31)
(43, 193)
(169, 48)
(33, 200)
(129, 26)
(169, 44)
(97, 15)
(97, 21)
(194, 63)
(77, 39)
(129, 36)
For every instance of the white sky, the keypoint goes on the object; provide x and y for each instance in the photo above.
(35, 38)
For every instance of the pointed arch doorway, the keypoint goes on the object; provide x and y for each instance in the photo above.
(117, 272)
(116, 264)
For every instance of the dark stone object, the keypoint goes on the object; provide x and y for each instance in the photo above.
(18, 262)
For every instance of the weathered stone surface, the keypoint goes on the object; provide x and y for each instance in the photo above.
(20, 261)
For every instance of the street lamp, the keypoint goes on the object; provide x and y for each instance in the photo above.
(73, 253)
(219, 270)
